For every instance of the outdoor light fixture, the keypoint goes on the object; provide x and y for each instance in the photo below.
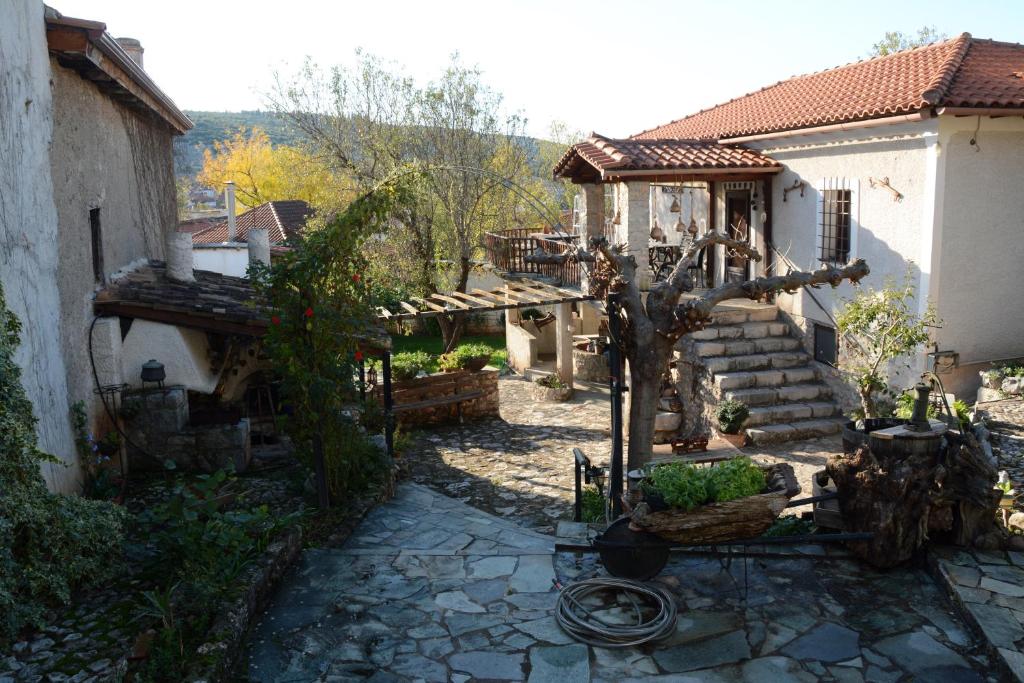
(597, 476)
(371, 375)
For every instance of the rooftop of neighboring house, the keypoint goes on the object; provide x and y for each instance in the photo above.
(282, 219)
(85, 46)
(959, 73)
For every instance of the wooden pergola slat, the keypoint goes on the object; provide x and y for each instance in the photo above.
(512, 295)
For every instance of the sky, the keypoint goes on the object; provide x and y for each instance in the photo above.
(611, 67)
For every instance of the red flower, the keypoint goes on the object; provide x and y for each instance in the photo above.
(359, 355)
(275, 319)
(309, 312)
(356, 277)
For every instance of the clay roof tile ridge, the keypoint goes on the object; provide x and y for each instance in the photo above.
(938, 88)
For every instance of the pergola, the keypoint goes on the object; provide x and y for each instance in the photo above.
(519, 294)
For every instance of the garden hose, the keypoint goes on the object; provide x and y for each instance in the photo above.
(587, 626)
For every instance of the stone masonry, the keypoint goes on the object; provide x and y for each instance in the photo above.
(751, 356)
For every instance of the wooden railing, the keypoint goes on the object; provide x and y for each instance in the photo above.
(507, 251)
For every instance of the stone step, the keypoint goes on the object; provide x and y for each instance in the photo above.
(765, 378)
(787, 393)
(746, 347)
(738, 315)
(790, 431)
(790, 412)
(756, 330)
(757, 361)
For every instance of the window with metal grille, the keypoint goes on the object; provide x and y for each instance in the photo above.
(834, 225)
(96, 235)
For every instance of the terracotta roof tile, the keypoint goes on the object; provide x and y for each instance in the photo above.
(608, 156)
(961, 72)
(282, 219)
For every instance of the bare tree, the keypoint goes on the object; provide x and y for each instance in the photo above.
(373, 120)
(651, 326)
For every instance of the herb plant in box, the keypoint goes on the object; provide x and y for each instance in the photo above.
(472, 357)
(731, 416)
(551, 388)
(407, 365)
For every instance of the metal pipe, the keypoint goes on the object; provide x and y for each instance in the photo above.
(580, 461)
(615, 381)
(389, 415)
(979, 111)
(831, 128)
(812, 499)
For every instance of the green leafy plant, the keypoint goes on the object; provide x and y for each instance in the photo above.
(531, 314)
(551, 382)
(49, 544)
(592, 505)
(963, 414)
(687, 486)
(463, 356)
(884, 327)
(408, 364)
(731, 416)
(790, 525)
(319, 309)
(905, 406)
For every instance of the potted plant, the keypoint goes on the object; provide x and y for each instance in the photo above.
(731, 416)
(409, 364)
(551, 388)
(472, 357)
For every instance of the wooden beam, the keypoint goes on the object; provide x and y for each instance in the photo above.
(193, 320)
(412, 309)
(383, 311)
(473, 299)
(461, 304)
(429, 304)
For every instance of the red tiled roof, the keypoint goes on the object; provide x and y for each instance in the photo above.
(282, 219)
(195, 225)
(960, 72)
(609, 156)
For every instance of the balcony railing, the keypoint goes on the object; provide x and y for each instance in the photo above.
(507, 251)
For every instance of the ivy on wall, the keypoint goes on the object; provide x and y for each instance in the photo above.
(49, 544)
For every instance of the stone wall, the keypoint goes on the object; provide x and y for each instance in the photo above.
(28, 231)
(441, 385)
(157, 425)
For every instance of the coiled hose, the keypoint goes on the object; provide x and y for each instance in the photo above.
(587, 626)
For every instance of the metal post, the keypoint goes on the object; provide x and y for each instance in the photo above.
(615, 379)
(389, 417)
(577, 464)
(362, 381)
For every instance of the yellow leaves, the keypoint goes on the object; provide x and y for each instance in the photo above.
(262, 172)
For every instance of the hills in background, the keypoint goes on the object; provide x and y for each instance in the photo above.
(211, 126)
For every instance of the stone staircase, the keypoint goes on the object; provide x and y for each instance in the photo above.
(753, 357)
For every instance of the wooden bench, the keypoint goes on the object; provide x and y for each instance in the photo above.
(447, 388)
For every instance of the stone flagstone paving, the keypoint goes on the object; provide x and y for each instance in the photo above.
(430, 589)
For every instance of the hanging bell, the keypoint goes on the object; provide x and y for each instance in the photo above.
(675, 208)
(679, 225)
(693, 228)
(656, 232)
(618, 218)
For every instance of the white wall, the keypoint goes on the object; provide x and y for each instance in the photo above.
(28, 229)
(228, 260)
(891, 236)
(182, 351)
(981, 244)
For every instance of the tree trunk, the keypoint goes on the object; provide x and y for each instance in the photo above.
(867, 402)
(647, 363)
(452, 327)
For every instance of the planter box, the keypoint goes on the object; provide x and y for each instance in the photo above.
(737, 440)
(543, 393)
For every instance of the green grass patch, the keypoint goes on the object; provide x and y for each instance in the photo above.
(435, 346)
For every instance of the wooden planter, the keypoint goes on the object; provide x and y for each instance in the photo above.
(477, 364)
(543, 393)
(720, 522)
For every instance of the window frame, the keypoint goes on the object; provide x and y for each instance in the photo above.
(96, 240)
(818, 328)
(851, 185)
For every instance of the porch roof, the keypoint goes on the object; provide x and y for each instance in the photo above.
(525, 294)
(602, 159)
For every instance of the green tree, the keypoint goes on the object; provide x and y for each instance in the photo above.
(895, 41)
(373, 119)
(885, 327)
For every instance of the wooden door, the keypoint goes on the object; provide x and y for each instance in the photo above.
(737, 218)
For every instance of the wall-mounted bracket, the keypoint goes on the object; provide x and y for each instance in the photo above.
(797, 185)
(897, 196)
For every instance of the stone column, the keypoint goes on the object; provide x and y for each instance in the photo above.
(591, 211)
(634, 205)
(179, 257)
(563, 342)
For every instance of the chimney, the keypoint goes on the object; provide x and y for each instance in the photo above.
(179, 257)
(229, 200)
(259, 245)
(133, 47)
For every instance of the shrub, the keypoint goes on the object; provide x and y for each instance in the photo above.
(790, 525)
(963, 414)
(731, 416)
(905, 406)
(592, 505)
(551, 382)
(49, 544)
(408, 364)
(463, 354)
(687, 486)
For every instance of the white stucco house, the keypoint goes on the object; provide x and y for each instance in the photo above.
(913, 160)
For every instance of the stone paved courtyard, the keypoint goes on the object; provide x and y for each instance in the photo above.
(431, 589)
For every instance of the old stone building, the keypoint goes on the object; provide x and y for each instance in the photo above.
(86, 191)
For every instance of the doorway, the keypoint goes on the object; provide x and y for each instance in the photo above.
(737, 219)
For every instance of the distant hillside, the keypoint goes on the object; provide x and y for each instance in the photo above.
(211, 126)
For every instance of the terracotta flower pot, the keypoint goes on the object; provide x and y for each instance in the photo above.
(737, 440)
(477, 364)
